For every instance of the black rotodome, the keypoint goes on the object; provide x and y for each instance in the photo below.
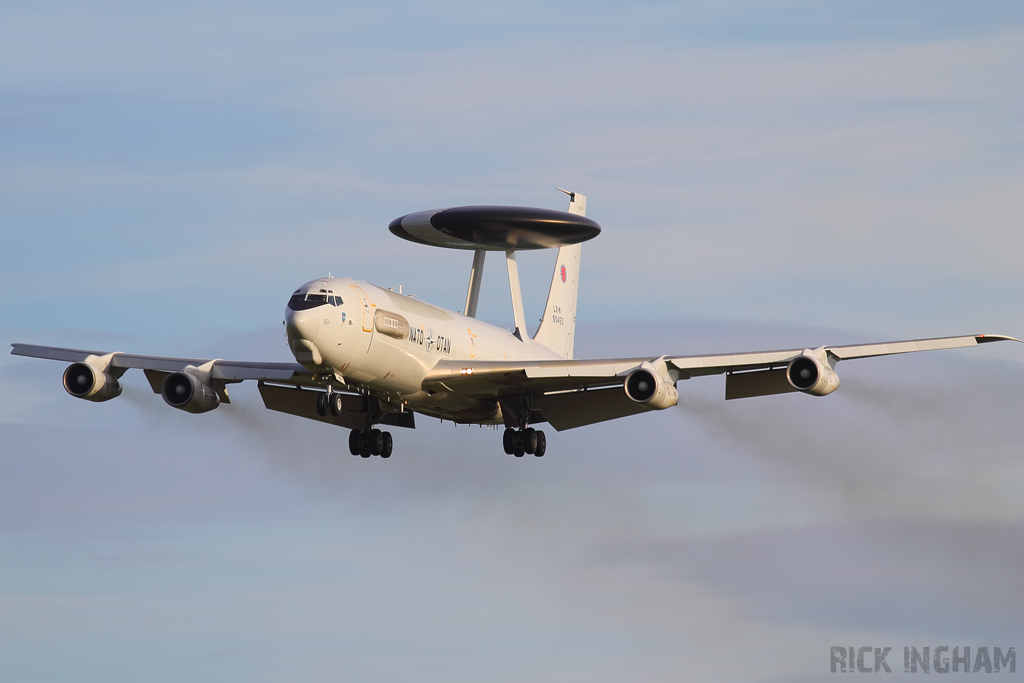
(505, 227)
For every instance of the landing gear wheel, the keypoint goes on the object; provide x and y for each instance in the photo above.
(364, 445)
(321, 404)
(529, 439)
(375, 441)
(542, 445)
(355, 439)
(334, 403)
(517, 449)
(385, 451)
(508, 441)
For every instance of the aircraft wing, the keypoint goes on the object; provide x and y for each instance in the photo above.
(280, 384)
(224, 370)
(500, 377)
(572, 393)
(713, 365)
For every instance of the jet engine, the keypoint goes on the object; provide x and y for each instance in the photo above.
(811, 376)
(187, 392)
(91, 382)
(646, 386)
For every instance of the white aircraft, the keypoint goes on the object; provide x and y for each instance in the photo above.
(369, 356)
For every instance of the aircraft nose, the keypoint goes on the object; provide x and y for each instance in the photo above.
(302, 328)
(302, 324)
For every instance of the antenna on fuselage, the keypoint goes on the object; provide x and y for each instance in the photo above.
(498, 228)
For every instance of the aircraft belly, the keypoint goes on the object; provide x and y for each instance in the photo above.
(459, 408)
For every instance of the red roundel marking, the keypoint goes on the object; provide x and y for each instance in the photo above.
(563, 273)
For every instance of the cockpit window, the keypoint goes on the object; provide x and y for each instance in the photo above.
(301, 302)
(334, 300)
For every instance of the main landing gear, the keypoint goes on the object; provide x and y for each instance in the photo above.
(529, 440)
(362, 442)
(370, 442)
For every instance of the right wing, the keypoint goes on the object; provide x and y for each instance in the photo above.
(224, 370)
(285, 393)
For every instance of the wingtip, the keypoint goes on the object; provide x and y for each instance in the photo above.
(986, 338)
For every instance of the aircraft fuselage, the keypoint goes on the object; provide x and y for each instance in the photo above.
(385, 342)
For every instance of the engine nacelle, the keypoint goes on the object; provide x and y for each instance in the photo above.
(811, 376)
(91, 382)
(187, 392)
(646, 386)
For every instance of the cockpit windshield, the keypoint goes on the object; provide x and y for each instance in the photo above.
(301, 301)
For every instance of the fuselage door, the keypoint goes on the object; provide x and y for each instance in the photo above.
(367, 311)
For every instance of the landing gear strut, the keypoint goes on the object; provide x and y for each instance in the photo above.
(529, 440)
(370, 442)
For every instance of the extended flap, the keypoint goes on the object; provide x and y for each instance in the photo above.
(571, 409)
(761, 383)
(302, 402)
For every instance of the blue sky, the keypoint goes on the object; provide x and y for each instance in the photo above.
(766, 174)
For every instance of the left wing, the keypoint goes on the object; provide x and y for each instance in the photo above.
(557, 387)
(496, 378)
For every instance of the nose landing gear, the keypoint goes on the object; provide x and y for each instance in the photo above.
(529, 440)
(328, 403)
(321, 405)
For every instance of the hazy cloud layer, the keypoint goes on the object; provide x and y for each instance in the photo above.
(659, 544)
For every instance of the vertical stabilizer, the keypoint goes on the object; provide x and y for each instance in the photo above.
(558, 326)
